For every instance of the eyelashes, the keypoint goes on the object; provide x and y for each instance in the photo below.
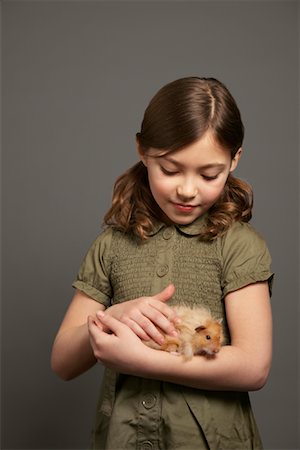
(210, 178)
(171, 173)
(168, 172)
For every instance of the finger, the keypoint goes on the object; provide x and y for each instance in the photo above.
(164, 309)
(94, 332)
(110, 323)
(163, 320)
(149, 328)
(93, 321)
(94, 325)
(97, 336)
(98, 321)
(135, 327)
(165, 294)
(141, 319)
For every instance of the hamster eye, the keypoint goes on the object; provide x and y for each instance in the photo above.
(208, 337)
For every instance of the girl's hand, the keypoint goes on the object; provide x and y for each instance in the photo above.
(118, 348)
(146, 315)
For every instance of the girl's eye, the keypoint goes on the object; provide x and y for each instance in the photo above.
(167, 172)
(209, 178)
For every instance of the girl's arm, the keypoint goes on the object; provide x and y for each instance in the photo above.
(72, 352)
(244, 365)
(147, 315)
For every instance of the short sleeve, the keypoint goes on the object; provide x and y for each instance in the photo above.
(93, 275)
(246, 258)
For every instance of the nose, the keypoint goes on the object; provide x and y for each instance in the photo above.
(187, 189)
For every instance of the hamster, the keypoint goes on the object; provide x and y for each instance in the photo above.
(198, 334)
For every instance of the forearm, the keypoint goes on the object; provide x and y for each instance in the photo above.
(232, 369)
(240, 366)
(72, 352)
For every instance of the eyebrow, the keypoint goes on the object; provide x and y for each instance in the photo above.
(205, 167)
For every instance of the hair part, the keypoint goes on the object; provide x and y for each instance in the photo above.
(184, 110)
(178, 115)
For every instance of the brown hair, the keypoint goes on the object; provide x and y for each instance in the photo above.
(179, 114)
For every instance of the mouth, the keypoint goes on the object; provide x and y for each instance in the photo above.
(184, 207)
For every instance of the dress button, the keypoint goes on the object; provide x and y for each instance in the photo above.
(146, 445)
(149, 401)
(167, 233)
(162, 270)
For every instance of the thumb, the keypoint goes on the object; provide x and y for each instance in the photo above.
(165, 294)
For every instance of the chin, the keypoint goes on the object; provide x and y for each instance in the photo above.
(183, 220)
(186, 222)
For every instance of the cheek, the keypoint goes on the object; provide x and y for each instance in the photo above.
(160, 185)
(213, 192)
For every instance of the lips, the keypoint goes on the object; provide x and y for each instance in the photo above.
(184, 207)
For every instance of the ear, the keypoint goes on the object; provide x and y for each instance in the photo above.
(220, 321)
(141, 152)
(200, 328)
(235, 160)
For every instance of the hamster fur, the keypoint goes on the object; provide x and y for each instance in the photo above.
(198, 334)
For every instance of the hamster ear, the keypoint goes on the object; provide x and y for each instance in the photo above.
(200, 328)
(220, 321)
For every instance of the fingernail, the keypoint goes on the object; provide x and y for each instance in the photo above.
(100, 314)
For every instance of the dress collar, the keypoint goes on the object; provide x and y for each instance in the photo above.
(192, 229)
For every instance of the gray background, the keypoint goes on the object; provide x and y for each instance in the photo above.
(76, 78)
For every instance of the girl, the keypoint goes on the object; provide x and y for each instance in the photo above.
(177, 232)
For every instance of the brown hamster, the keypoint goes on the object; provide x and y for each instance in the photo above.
(198, 334)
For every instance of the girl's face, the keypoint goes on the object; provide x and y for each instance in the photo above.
(187, 182)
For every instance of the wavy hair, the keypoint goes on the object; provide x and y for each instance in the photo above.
(178, 115)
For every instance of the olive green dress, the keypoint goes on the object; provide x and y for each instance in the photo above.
(138, 413)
